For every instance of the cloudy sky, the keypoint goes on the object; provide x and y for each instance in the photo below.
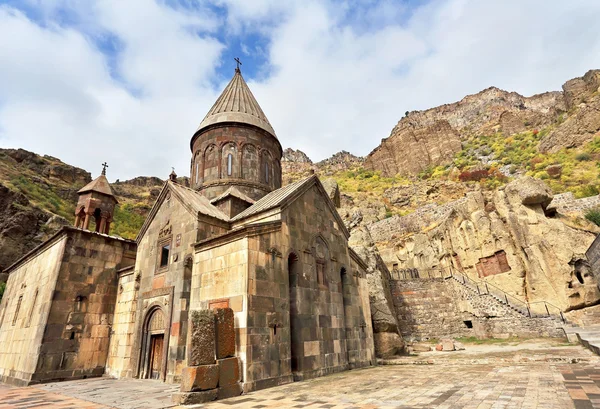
(128, 81)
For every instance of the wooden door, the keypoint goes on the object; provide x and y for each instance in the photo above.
(156, 353)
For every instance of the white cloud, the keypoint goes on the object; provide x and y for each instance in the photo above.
(341, 73)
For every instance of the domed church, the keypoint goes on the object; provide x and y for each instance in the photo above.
(234, 274)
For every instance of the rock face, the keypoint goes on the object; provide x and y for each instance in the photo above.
(20, 226)
(386, 332)
(412, 148)
(340, 161)
(431, 137)
(581, 98)
(297, 156)
(504, 238)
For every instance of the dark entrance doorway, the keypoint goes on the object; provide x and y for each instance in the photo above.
(153, 346)
(156, 353)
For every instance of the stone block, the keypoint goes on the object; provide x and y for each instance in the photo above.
(194, 398)
(202, 338)
(447, 345)
(225, 332)
(199, 378)
(421, 348)
(229, 371)
(229, 391)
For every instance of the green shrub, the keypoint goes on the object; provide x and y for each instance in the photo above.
(2, 288)
(593, 215)
(584, 156)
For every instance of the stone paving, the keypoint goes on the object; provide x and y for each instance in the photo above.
(495, 383)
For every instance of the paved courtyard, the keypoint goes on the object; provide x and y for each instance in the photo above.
(486, 377)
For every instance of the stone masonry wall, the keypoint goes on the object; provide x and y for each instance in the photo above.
(77, 334)
(30, 287)
(435, 308)
(118, 364)
(427, 308)
(566, 203)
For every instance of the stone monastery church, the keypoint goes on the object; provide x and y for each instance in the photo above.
(274, 259)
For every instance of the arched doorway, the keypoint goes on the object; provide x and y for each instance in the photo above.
(154, 346)
(296, 341)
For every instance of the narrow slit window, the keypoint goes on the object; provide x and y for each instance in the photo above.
(229, 164)
(197, 171)
(164, 255)
(17, 310)
(32, 308)
(267, 172)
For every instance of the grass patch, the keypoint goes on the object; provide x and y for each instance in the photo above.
(593, 215)
(488, 341)
(44, 197)
(127, 222)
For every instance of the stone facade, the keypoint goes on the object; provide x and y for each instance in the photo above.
(58, 309)
(300, 299)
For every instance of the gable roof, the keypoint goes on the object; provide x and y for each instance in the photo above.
(273, 199)
(100, 185)
(194, 202)
(237, 104)
(286, 195)
(233, 191)
(198, 202)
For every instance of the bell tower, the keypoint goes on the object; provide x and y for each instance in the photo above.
(96, 203)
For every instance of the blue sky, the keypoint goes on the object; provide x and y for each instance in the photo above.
(129, 81)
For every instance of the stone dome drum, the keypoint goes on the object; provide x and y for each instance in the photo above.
(235, 145)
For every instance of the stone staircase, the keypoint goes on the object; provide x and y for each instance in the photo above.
(589, 336)
(523, 308)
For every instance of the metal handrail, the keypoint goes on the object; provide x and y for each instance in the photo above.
(482, 287)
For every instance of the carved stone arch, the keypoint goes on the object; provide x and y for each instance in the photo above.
(80, 216)
(250, 162)
(266, 167)
(155, 326)
(322, 257)
(197, 173)
(229, 159)
(210, 163)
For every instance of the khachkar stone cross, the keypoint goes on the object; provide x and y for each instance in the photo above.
(237, 60)
(104, 166)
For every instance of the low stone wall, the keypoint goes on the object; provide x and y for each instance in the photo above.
(566, 203)
(427, 308)
(443, 308)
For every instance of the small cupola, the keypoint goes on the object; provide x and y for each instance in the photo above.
(96, 204)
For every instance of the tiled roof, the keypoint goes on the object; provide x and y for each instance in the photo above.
(274, 199)
(197, 201)
(233, 191)
(100, 185)
(237, 104)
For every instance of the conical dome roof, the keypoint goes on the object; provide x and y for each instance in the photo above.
(100, 185)
(237, 104)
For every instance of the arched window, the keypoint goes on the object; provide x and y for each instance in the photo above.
(197, 171)
(266, 172)
(229, 164)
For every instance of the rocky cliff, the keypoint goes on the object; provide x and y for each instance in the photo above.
(429, 138)
(505, 238)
